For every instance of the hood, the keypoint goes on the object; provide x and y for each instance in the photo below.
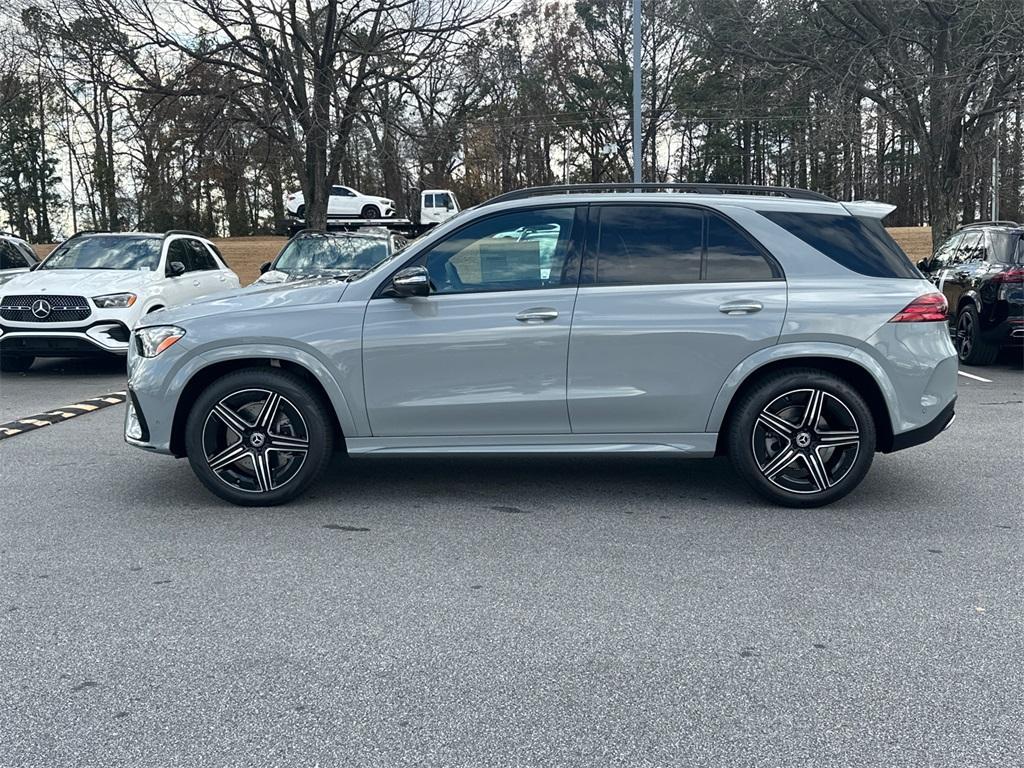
(253, 298)
(83, 282)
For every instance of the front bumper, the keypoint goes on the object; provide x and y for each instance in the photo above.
(942, 421)
(101, 337)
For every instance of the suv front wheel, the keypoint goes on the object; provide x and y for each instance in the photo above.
(258, 437)
(802, 438)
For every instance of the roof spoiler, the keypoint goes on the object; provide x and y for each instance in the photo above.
(870, 208)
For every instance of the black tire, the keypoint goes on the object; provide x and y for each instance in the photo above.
(370, 212)
(260, 475)
(782, 467)
(971, 348)
(15, 363)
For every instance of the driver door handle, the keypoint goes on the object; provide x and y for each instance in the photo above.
(537, 315)
(740, 307)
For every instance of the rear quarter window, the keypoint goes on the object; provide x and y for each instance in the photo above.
(858, 243)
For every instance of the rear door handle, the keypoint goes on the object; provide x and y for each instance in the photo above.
(740, 307)
(537, 315)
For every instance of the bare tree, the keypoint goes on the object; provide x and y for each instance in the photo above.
(299, 70)
(941, 69)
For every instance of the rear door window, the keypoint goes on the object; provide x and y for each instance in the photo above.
(202, 259)
(661, 244)
(971, 248)
(859, 243)
(649, 245)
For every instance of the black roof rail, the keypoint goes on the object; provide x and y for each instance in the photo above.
(988, 224)
(81, 232)
(647, 186)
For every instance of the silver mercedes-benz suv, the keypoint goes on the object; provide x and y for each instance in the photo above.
(774, 325)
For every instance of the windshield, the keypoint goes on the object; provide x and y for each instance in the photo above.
(106, 252)
(322, 253)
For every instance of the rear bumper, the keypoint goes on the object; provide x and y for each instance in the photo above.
(940, 423)
(1010, 334)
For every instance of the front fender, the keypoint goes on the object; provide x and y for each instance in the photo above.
(271, 351)
(797, 351)
(158, 388)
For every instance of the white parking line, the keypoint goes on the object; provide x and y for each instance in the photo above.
(976, 378)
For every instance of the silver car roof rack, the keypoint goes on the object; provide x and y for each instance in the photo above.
(699, 189)
(988, 224)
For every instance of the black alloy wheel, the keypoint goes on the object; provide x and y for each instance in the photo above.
(802, 438)
(258, 437)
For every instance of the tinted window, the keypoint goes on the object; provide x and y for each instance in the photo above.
(516, 251)
(202, 259)
(11, 257)
(428, 201)
(858, 243)
(971, 248)
(732, 256)
(106, 252)
(178, 250)
(1006, 246)
(944, 256)
(645, 245)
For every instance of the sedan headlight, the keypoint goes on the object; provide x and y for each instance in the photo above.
(114, 300)
(150, 342)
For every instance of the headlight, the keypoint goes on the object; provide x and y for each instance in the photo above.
(150, 342)
(114, 300)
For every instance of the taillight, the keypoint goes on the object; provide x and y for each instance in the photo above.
(1010, 281)
(930, 308)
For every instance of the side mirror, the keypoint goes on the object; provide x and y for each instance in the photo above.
(35, 266)
(412, 281)
(175, 268)
(924, 265)
(449, 206)
(264, 267)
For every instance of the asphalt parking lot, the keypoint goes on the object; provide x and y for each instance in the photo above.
(528, 611)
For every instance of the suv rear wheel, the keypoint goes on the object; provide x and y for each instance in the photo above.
(802, 438)
(971, 348)
(258, 437)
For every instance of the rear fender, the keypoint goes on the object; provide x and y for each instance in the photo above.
(796, 352)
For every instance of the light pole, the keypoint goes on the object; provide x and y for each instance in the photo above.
(995, 175)
(636, 92)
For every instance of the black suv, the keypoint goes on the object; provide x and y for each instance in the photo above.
(980, 269)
